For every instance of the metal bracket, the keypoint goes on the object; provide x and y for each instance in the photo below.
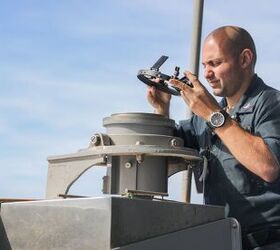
(64, 170)
(142, 194)
(62, 173)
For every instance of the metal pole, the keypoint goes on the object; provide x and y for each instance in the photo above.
(196, 35)
(194, 68)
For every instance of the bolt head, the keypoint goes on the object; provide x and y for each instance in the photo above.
(95, 140)
(175, 143)
(128, 165)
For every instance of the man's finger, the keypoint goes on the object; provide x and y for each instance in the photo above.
(193, 78)
(179, 84)
(185, 97)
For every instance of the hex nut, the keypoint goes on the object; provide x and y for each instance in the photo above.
(95, 140)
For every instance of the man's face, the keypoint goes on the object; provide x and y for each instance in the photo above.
(221, 69)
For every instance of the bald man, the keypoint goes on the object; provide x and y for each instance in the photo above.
(240, 136)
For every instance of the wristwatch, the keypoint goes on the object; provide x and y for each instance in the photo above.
(217, 119)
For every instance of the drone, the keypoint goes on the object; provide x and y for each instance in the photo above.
(149, 77)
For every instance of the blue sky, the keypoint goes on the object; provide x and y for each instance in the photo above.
(64, 65)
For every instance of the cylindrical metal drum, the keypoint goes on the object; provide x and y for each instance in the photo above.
(147, 173)
(138, 123)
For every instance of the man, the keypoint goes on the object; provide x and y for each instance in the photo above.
(240, 135)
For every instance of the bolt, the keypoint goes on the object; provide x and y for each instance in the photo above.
(128, 165)
(95, 140)
(233, 224)
(139, 159)
(175, 143)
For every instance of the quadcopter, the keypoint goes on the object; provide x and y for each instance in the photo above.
(149, 77)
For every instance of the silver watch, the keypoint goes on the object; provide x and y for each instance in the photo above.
(217, 119)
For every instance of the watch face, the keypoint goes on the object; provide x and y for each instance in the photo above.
(217, 119)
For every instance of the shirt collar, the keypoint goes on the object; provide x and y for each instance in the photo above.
(247, 102)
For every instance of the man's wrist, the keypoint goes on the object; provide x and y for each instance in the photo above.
(217, 119)
(163, 112)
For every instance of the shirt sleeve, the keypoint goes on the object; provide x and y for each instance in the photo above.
(267, 123)
(186, 131)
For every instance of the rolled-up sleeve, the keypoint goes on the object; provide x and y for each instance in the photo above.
(186, 131)
(267, 123)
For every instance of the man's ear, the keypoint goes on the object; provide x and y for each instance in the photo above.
(246, 58)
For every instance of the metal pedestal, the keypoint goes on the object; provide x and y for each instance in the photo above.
(115, 223)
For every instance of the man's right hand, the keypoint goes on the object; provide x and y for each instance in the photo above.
(159, 100)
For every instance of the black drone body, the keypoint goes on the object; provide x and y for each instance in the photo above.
(148, 76)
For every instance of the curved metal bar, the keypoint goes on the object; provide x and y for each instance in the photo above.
(149, 150)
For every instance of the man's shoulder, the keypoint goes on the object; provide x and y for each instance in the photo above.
(270, 94)
(267, 102)
(265, 87)
(264, 93)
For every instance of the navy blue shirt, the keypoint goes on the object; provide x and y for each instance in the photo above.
(247, 197)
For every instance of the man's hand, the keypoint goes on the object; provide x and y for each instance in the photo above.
(159, 100)
(200, 101)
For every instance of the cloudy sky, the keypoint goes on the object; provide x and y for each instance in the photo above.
(64, 65)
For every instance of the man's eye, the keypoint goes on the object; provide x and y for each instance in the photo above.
(216, 63)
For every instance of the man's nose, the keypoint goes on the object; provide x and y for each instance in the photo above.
(208, 73)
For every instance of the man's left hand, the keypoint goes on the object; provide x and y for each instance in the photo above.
(200, 101)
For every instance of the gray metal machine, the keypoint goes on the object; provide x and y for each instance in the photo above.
(140, 153)
(139, 150)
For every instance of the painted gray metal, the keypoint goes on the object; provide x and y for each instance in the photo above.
(196, 35)
(97, 223)
(140, 149)
(138, 123)
(223, 234)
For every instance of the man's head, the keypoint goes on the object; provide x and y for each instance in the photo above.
(229, 57)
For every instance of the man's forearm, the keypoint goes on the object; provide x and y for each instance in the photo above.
(251, 151)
